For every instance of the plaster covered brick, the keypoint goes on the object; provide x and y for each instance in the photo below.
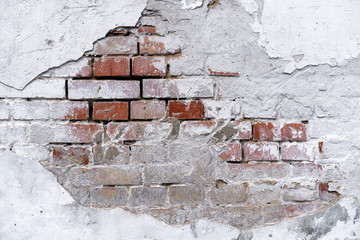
(187, 195)
(243, 130)
(70, 110)
(232, 152)
(107, 197)
(178, 88)
(116, 45)
(4, 110)
(13, 133)
(267, 131)
(103, 89)
(186, 109)
(166, 173)
(228, 194)
(149, 153)
(300, 195)
(154, 45)
(148, 196)
(31, 110)
(112, 66)
(261, 151)
(296, 152)
(111, 154)
(72, 155)
(110, 110)
(144, 110)
(293, 132)
(193, 129)
(221, 109)
(80, 68)
(149, 66)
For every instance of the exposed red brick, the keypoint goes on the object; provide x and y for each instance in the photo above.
(186, 109)
(63, 156)
(324, 187)
(216, 73)
(149, 66)
(293, 132)
(232, 152)
(70, 110)
(266, 132)
(85, 133)
(154, 45)
(146, 29)
(119, 66)
(111, 110)
(259, 151)
(244, 129)
(116, 45)
(294, 152)
(147, 109)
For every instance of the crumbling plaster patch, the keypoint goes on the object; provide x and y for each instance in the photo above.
(41, 34)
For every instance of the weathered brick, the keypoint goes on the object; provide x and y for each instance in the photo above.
(274, 213)
(133, 131)
(264, 192)
(71, 155)
(4, 110)
(146, 29)
(232, 152)
(66, 133)
(116, 45)
(265, 131)
(293, 132)
(31, 110)
(158, 174)
(178, 88)
(295, 152)
(221, 109)
(103, 89)
(154, 45)
(187, 195)
(13, 134)
(108, 197)
(149, 153)
(111, 110)
(149, 66)
(259, 151)
(111, 155)
(148, 196)
(70, 110)
(191, 129)
(144, 110)
(114, 175)
(228, 194)
(112, 66)
(186, 109)
(244, 130)
(304, 169)
(300, 195)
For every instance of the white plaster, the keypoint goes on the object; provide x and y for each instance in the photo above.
(41, 34)
(191, 4)
(34, 206)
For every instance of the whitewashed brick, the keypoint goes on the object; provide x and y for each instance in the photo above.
(31, 110)
(221, 109)
(4, 110)
(13, 134)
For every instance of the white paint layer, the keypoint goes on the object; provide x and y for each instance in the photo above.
(41, 34)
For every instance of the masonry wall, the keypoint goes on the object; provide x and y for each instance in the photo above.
(184, 117)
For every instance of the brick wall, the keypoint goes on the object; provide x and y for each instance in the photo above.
(118, 129)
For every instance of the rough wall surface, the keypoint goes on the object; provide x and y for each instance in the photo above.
(200, 111)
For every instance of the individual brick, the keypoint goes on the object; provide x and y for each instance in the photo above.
(154, 45)
(186, 109)
(108, 197)
(13, 134)
(103, 89)
(80, 69)
(264, 192)
(116, 45)
(300, 195)
(134, 131)
(146, 29)
(232, 152)
(221, 109)
(114, 175)
(168, 174)
(244, 130)
(293, 132)
(149, 153)
(228, 194)
(187, 195)
(144, 110)
(267, 131)
(31, 110)
(149, 66)
(178, 88)
(192, 129)
(148, 196)
(261, 151)
(4, 110)
(70, 110)
(66, 133)
(112, 66)
(72, 155)
(295, 152)
(111, 110)
(111, 155)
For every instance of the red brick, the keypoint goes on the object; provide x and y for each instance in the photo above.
(232, 152)
(266, 131)
(104, 67)
(116, 45)
(186, 109)
(148, 109)
(244, 129)
(146, 29)
(154, 45)
(149, 66)
(64, 156)
(111, 111)
(295, 152)
(293, 132)
(70, 110)
(259, 151)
